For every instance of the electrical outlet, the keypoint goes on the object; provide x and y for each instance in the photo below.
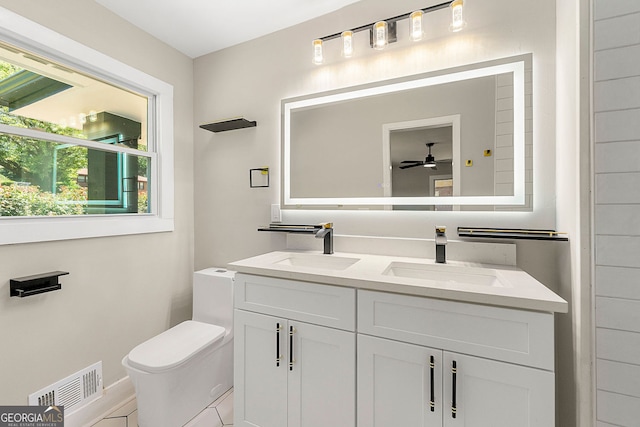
(276, 214)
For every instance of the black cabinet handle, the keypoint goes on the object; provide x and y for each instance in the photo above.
(432, 402)
(291, 332)
(454, 372)
(278, 355)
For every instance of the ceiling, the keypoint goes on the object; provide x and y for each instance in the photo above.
(199, 27)
(410, 144)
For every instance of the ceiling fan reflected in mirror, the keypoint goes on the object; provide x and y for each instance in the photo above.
(428, 162)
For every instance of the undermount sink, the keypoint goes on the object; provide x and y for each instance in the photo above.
(447, 274)
(324, 262)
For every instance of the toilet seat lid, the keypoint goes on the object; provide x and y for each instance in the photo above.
(174, 346)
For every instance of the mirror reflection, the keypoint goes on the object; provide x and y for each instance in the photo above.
(440, 142)
(422, 165)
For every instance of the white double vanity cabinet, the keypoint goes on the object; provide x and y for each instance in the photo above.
(373, 341)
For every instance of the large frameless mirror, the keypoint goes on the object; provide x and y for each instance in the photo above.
(454, 139)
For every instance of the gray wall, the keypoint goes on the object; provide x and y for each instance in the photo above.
(104, 309)
(616, 102)
(251, 80)
(120, 290)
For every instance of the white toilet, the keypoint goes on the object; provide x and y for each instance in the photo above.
(178, 373)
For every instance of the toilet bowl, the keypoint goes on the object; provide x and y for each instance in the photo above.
(177, 373)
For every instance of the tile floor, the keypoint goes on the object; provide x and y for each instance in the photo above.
(218, 414)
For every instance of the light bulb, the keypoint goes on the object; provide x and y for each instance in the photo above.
(347, 43)
(457, 21)
(416, 25)
(380, 35)
(317, 52)
(93, 116)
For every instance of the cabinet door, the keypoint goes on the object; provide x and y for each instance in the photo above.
(260, 380)
(322, 379)
(399, 384)
(486, 393)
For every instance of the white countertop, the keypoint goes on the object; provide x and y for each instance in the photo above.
(516, 288)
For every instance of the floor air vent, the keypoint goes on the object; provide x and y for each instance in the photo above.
(72, 392)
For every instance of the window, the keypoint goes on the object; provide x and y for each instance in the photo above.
(86, 142)
(42, 177)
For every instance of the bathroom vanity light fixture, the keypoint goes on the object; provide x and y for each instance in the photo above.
(383, 32)
(347, 43)
(317, 52)
(416, 25)
(380, 35)
(457, 20)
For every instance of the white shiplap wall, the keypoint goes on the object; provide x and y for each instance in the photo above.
(616, 97)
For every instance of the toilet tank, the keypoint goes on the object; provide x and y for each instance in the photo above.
(213, 297)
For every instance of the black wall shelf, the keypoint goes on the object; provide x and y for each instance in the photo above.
(37, 284)
(505, 233)
(229, 124)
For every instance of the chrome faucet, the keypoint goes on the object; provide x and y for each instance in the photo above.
(326, 233)
(441, 244)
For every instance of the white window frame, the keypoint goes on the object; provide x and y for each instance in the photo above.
(23, 33)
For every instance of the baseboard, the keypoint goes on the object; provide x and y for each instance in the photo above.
(117, 394)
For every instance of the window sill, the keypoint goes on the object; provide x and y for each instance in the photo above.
(15, 230)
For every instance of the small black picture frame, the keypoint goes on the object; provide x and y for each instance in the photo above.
(259, 178)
